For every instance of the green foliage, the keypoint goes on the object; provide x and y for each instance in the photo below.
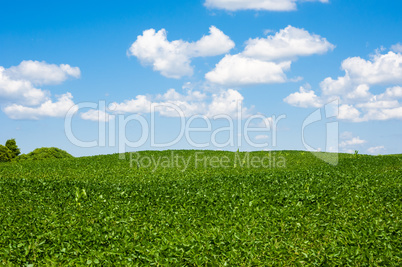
(45, 153)
(5, 154)
(100, 211)
(9, 151)
(356, 153)
(12, 146)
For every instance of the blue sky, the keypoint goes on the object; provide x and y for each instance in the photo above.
(273, 57)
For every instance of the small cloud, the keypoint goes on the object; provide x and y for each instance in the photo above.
(304, 98)
(346, 135)
(352, 142)
(376, 149)
(269, 5)
(397, 48)
(96, 115)
(49, 108)
(261, 137)
(227, 103)
(268, 31)
(237, 70)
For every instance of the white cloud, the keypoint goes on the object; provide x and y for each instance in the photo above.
(348, 112)
(173, 95)
(352, 142)
(39, 73)
(47, 109)
(385, 104)
(261, 137)
(239, 70)
(382, 68)
(20, 97)
(392, 93)
(170, 104)
(141, 104)
(174, 104)
(304, 98)
(265, 60)
(397, 48)
(361, 73)
(358, 104)
(95, 115)
(214, 44)
(339, 86)
(20, 91)
(228, 103)
(288, 43)
(271, 5)
(360, 92)
(376, 149)
(383, 114)
(173, 59)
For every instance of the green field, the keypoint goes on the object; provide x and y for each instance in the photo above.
(298, 211)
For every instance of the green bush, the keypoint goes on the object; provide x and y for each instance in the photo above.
(9, 151)
(12, 146)
(5, 154)
(45, 153)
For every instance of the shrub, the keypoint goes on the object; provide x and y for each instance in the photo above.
(45, 153)
(12, 146)
(5, 154)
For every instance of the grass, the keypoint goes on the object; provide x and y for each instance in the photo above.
(100, 211)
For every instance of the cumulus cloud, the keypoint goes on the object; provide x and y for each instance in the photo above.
(358, 103)
(174, 104)
(304, 98)
(20, 97)
(265, 60)
(173, 59)
(288, 43)
(95, 115)
(40, 73)
(47, 109)
(271, 5)
(360, 74)
(141, 104)
(348, 112)
(240, 70)
(391, 93)
(20, 91)
(352, 142)
(382, 68)
(376, 149)
(383, 114)
(397, 48)
(227, 102)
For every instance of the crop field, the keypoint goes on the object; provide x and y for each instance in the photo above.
(190, 208)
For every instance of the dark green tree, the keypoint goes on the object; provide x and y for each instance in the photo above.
(5, 154)
(12, 146)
